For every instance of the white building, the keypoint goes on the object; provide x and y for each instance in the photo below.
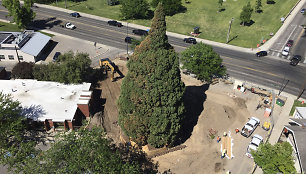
(50, 102)
(28, 45)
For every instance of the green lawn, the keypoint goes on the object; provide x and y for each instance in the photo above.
(296, 104)
(8, 27)
(213, 25)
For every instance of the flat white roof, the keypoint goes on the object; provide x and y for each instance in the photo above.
(43, 100)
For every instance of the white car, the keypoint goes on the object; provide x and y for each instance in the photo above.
(286, 51)
(70, 26)
(250, 126)
(255, 142)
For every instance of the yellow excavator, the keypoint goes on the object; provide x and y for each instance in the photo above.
(107, 65)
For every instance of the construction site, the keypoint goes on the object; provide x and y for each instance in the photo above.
(214, 110)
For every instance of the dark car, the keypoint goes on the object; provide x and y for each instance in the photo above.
(190, 40)
(261, 53)
(303, 10)
(56, 55)
(140, 32)
(295, 60)
(129, 39)
(115, 23)
(289, 43)
(75, 14)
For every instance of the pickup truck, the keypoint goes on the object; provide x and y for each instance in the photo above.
(254, 144)
(250, 127)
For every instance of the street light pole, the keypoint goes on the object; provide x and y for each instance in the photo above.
(229, 29)
(127, 43)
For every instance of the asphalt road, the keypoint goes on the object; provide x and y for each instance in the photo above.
(267, 71)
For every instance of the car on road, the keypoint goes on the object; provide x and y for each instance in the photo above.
(129, 39)
(56, 55)
(114, 23)
(250, 127)
(261, 53)
(190, 40)
(140, 32)
(75, 14)
(289, 43)
(254, 144)
(286, 50)
(303, 10)
(295, 60)
(68, 25)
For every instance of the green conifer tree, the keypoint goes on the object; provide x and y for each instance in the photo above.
(151, 101)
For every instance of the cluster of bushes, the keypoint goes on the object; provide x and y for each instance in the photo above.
(68, 68)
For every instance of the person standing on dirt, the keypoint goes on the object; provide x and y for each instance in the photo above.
(218, 139)
(236, 130)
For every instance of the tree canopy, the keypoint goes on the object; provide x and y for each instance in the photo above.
(171, 7)
(15, 146)
(203, 61)
(22, 15)
(134, 9)
(151, 101)
(274, 159)
(246, 13)
(69, 68)
(23, 70)
(88, 151)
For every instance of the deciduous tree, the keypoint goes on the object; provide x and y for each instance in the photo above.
(88, 151)
(22, 15)
(23, 70)
(171, 7)
(69, 68)
(245, 15)
(134, 9)
(151, 101)
(15, 146)
(258, 6)
(203, 61)
(274, 159)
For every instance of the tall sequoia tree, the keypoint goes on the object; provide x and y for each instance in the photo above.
(151, 101)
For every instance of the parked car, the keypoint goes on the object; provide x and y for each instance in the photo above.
(190, 40)
(303, 10)
(286, 50)
(289, 43)
(75, 14)
(115, 23)
(295, 60)
(250, 127)
(56, 55)
(140, 32)
(254, 144)
(261, 53)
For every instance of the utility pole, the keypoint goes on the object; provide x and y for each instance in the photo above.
(229, 29)
(65, 3)
(17, 54)
(283, 87)
(127, 43)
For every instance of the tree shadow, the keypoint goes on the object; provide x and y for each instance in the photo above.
(33, 112)
(270, 2)
(221, 10)
(248, 23)
(194, 98)
(44, 23)
(150, 14)
(259, 11)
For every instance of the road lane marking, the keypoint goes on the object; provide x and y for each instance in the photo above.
(248, 68)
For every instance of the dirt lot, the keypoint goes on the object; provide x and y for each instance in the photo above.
(220, 107)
